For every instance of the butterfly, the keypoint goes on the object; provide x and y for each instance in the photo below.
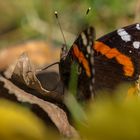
(103, 63)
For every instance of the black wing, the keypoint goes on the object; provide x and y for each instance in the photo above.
(125, 39)
(109, 73)
(81, 53)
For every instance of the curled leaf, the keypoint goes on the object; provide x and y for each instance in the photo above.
(57, 115)
(25, 73)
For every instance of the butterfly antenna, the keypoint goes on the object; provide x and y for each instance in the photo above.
(56, 63)
(88, 10)
(56, 15)
(86, 16)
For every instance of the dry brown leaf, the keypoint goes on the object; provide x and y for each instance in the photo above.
(24, 72)
(57, 115)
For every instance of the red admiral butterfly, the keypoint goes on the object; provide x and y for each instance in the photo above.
(104, 63)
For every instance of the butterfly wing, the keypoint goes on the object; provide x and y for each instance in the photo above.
(117, 57)
(82, 54)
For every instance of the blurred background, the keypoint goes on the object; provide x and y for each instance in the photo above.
(30, 26)
(34, 19)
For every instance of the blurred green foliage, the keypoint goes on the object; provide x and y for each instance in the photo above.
(104, 119)
(21, 20)
(18, 123)
(112, 120)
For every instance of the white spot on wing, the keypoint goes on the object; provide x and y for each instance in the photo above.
(124, 35)
(88, 49)
(138, 26)
(84, 39)
(136, 44)
(92, 58)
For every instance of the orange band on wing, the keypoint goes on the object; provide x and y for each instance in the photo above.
(80, 56)
(114, 53)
